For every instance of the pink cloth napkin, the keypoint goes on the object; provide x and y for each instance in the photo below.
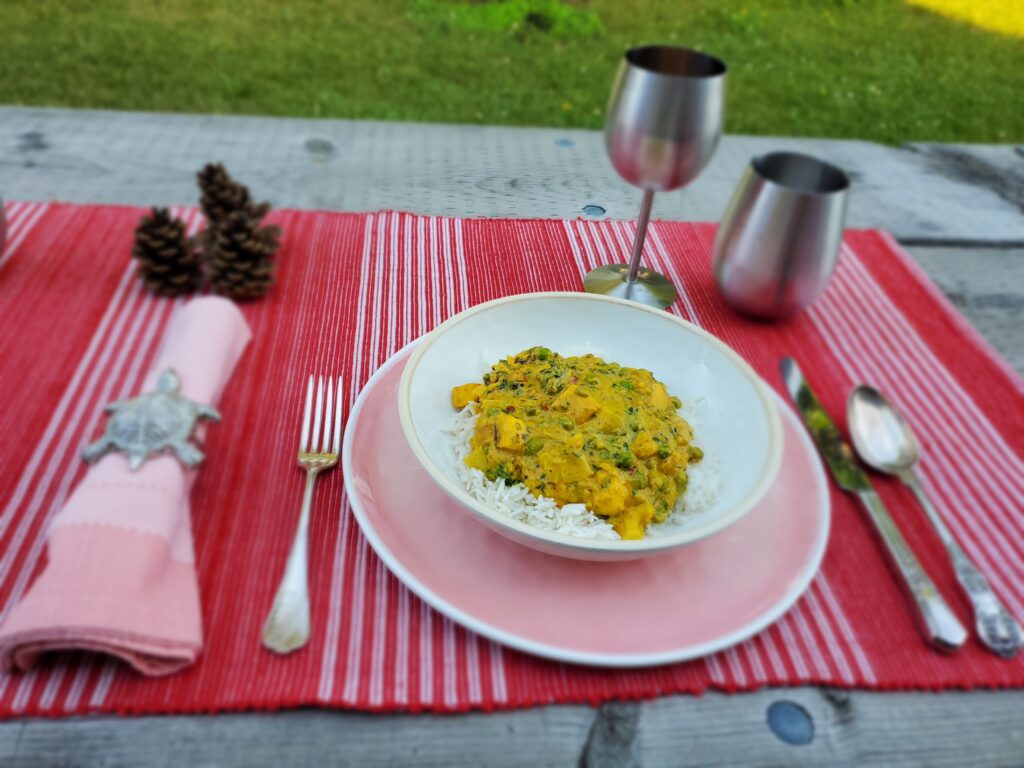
(120, 576)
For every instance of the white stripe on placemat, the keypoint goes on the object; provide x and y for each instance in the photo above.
(460, 260)
(932, 425)
(916, 347)
(360, 334)
(499, 685)
(924, 406)
(401, 692)
(25, 226)
(790, 646)
(451, 696)
(375, 299)
(669, 266)
(16, 214)
(859, 366)
(25, 686)
(407, 283)
(13, 210)
(110, 666)
(367, 302)
(574, 247)
(357, 613)
(932, 406)
(473, 667)
(391, 292)
(754, 659)
(378, 647)
(328, 663)
(78, 683)
(735, 667)
(435, 270)
(823, 623)
(774, 657)
(426, 654)
(421, 270)
(1006, 480)
(583, 237)
(715, 669)
(845, 629)
(56, 676)
(449, 279)
(386, 310)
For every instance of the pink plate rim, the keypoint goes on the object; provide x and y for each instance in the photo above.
(786, 599)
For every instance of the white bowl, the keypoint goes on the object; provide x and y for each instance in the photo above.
(733, 417)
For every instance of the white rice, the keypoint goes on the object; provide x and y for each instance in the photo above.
(518, 503)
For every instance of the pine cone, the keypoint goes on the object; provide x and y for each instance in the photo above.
(219, 193)
(168, 264)
(240, 251)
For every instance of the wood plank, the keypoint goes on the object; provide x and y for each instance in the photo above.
(987, 286)
(998, 167)
(139, 158)
(859, 728)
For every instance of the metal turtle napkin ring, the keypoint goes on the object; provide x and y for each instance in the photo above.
(152, 423)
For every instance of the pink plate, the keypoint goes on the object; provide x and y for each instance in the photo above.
(695, 600)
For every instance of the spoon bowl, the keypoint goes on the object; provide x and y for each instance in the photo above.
(882, 437)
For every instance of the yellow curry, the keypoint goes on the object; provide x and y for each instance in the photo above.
(580, 430)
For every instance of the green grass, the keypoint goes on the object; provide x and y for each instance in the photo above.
(872, 69)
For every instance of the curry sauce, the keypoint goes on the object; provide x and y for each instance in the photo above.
(580, 430)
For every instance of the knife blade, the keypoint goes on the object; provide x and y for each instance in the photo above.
(935, 619)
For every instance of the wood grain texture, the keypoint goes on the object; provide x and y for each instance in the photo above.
(987, 286)
(138, 158)
(851, 729)
(929, 195)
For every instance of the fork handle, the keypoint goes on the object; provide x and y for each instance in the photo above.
(287, 625)
(995, 625)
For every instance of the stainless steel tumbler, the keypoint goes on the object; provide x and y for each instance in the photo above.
(779, 240)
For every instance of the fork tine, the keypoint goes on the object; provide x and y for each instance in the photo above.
(306, 412)
(328, 412)
(318, 412)
(337, 421)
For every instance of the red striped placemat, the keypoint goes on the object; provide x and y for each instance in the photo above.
(352, 289)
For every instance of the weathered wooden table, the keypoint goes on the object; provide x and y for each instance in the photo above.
(958, 209)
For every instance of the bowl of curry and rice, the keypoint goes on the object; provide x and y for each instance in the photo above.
(587, 426)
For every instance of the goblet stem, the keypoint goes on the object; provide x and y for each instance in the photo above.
(641, 234)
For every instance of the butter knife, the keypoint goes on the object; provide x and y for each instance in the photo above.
(936, 621)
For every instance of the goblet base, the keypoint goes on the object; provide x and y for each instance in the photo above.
(650, 288)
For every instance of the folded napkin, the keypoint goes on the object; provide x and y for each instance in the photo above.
(120, 577)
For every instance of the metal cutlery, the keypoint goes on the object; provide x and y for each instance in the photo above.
(885, 441)
(936, 621)
(287, 625)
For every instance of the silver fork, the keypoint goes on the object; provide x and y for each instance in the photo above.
(287, 626)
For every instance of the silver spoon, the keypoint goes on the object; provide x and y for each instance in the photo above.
(884, 440)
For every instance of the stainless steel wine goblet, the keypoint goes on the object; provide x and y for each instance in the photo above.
(663, 124)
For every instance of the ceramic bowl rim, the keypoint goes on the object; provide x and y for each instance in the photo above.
(647, 545)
